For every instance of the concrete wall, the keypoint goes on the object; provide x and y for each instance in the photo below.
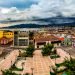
(56, 45)
(40, 46)
(9, 60)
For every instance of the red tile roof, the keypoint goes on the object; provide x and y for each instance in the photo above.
(61, 39)
(46, 38)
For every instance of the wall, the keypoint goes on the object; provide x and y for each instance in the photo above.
(1, 34)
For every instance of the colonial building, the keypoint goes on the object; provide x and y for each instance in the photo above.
(6, 37)
(42, 39)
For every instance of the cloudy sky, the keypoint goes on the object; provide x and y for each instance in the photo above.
(27, 9)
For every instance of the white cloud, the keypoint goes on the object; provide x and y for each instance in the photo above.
(9, 10)
(44, 9)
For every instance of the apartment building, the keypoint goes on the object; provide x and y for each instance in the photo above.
(21, 39)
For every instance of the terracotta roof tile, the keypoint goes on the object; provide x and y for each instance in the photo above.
(46, 38)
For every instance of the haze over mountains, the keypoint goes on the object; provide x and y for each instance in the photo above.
(41, 22)
(40, 12)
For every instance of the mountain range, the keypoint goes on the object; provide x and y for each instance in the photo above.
(43, 22)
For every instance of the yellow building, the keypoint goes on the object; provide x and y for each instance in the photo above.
(8, 34)
(1, 34)
(6, 37)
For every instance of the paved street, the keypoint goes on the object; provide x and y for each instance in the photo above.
(39, 64)
(9, 60)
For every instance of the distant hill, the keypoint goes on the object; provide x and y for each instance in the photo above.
(57, 20)
(27, 26)
(41, 26)
(54, 21)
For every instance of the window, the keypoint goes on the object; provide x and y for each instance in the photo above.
(15, 40)
(23, 42)
(15, 32)
(58, 44)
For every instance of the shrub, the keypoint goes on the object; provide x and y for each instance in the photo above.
(47, 49)
(29, 51)
(27, 74)
(54, 56)
(9, 72)
(14, 68)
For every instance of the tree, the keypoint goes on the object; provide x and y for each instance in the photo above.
(67, 42)
(70, 64)
(9, 72)
(69, 67)
(30, 50)
(31, 35)
(47, 49)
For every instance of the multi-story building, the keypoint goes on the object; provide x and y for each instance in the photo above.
(21, 39)
(14, 38)
(1, 34)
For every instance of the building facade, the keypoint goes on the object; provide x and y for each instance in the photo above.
(43, 39)
(6, 38)
(21, 39)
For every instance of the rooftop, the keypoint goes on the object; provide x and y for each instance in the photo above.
(46, 37)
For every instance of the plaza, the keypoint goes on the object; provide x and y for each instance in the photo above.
(38, 64)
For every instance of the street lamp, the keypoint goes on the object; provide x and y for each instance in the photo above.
(70, 54)
(25, 57)
(23, 65)
(32, 70)
(55, 51)
(50, 69)
(4, 57)
(19, 52)
(11, 62)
